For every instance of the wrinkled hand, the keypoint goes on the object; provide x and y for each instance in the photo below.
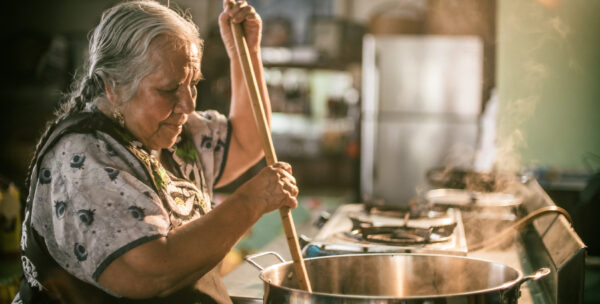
(272, 188)
(240, 12)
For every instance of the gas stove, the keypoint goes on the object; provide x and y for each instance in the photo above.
(362, 228)
(549, 242)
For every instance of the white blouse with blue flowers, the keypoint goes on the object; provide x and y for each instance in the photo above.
(94, 200)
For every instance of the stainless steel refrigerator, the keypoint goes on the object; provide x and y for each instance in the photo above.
(421, 100)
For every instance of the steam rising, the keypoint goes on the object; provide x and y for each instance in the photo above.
(518, 112)
(560, 27)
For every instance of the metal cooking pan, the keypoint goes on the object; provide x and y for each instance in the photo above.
(395, 278)
(468, 199)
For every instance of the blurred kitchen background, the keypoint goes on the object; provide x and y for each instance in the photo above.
(367, 95)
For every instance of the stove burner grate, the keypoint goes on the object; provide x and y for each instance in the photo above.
(399, 235)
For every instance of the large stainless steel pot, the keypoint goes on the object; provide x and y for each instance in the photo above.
(395, 278)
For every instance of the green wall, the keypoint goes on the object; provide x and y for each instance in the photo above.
(548, 79)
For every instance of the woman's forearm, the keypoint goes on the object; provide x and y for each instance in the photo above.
(240, 97)
(245, 145)
(163, 266)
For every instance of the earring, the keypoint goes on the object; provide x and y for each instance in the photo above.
(118, 117)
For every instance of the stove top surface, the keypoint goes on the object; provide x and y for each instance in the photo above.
(351, 229)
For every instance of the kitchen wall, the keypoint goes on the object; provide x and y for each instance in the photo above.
(75, 16)
(548, 79)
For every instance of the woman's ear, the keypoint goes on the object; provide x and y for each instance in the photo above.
(111, 95)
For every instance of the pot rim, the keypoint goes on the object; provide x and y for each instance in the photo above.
(502, 287)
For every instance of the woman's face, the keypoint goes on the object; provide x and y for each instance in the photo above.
(159, 108)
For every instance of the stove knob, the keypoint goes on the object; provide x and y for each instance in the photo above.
(323, 218)
(303, 240)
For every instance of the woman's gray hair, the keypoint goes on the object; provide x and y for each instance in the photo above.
(119, 49)
(119, 55)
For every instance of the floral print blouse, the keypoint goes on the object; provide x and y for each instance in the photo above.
(96, 198)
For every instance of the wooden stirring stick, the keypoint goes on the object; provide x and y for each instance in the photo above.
(267, 143)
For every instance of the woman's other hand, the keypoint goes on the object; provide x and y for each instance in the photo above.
(272, 188)
(240, 12)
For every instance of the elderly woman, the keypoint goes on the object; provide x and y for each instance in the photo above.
(119, 205)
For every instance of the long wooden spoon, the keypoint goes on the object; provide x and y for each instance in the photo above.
(267, 143)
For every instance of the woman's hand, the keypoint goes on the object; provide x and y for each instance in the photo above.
(272, 188)
(240, 12)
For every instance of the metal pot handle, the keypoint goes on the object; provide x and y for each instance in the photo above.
(540, 273)
(250, 258)
(508, 287)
